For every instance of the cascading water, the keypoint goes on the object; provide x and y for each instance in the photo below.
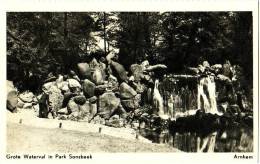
(208, 143)
(207, 95)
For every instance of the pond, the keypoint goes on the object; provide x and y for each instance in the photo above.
(232, 139)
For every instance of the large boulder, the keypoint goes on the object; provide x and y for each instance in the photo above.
(12, 98)
(85, 109)
(94, 63)
(97, 76)
(72, 106)
(126, 92)
(20, 103)
(120, 70)
(133, 103)
(64, 86)
(59, 81)
(73, 83)
(67, 96)
(108, 103)
(78, 112)
(55, 98)
(26, 97)
(139, 87)
(88, 88)
(226, 69)
(80, 100)
(43, 105)
(84, 70)
(92, 99)
(137, 71)
(100, 89)
(77, 105)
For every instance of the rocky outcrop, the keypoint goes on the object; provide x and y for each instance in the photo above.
(126, 92)
(108, 103)
(88, 88)
(12, 96)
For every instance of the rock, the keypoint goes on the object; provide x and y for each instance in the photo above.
(79, 112)
(43, 105)
(88, 88)
(84, 70)
(135, 125)
(206, 64)
(112, 83)
(126, 92)
(20, 103)
(85, 108)
(55, 98)
(46, 87)
(94, 63)
(64, 86)
(226, 70)
(80, 100)
(216, 68)
(50, 116)
(132, 103)
(59, 81)
(93, 109)
(27, 106)
(233, 109)
(36, 110)
(115, 121)
(73, 83)
(201, 68)
(26, 97)
(73, 75)
(67, 96)
(110, 56)
(63, 111)
(140, 88)
(63, 117)
(137, 71)
(100, 89)
(98, 120)
(224, 78)
(92, 99)
(145, 64)
(61, 84)
(12, 98)
(74, 116)
(108, 103)
(50, 78)
(72, 107)
(97, 76)
(120, 70)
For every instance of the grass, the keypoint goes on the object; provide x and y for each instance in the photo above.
(22, 138)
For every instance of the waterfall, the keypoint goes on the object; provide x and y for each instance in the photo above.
(208, 143)
(207, 95)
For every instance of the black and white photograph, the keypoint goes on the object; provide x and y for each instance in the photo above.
(129, 82)
(162, 84)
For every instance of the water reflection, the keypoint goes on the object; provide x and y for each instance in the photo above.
(235, 139)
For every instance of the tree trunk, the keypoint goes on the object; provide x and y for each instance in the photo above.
(104, 30)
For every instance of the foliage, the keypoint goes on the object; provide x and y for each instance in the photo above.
(39, 43)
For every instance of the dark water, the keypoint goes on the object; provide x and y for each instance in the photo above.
(235, 139)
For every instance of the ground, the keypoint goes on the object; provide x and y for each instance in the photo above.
(32, 137)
